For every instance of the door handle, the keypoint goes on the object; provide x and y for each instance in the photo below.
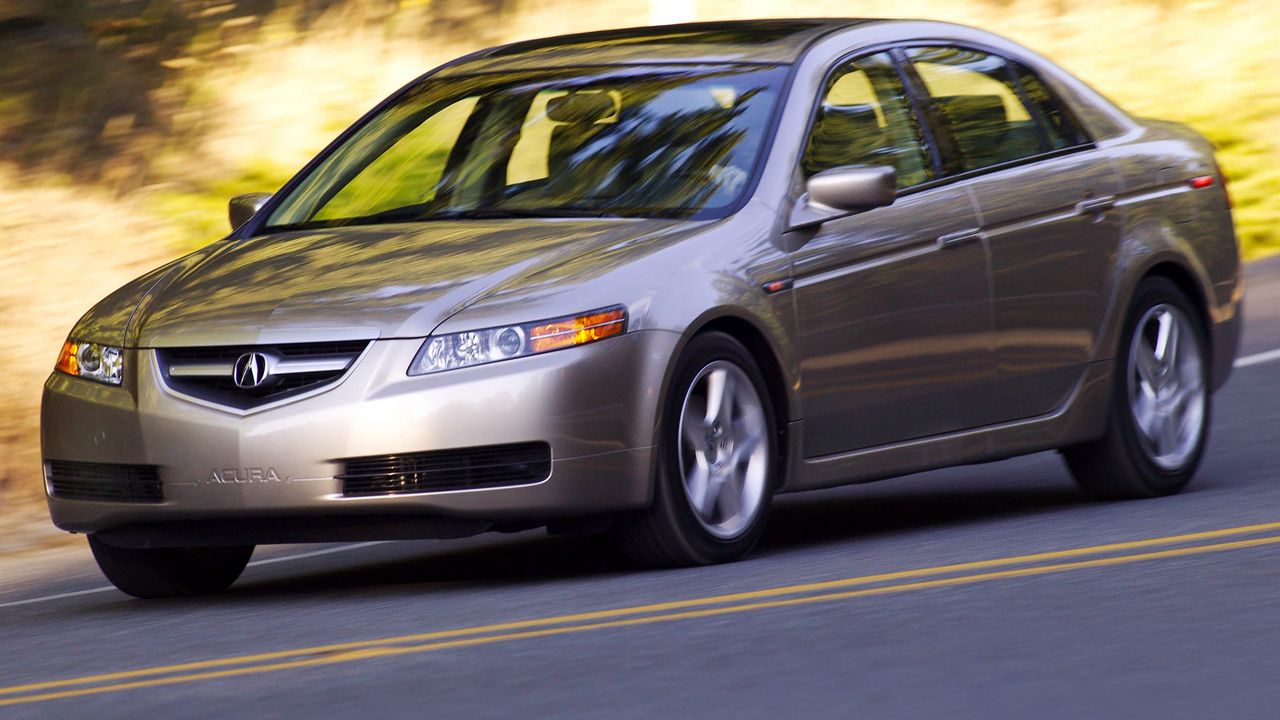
(1095, 206)
(963, 237)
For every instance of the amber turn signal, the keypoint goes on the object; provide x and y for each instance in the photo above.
(580, 330)
(67, 360)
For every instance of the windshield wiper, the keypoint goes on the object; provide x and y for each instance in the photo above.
(414, 213)
(500, 213)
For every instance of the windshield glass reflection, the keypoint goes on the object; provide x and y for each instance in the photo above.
(676, 142)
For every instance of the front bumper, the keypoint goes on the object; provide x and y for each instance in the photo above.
(594, 405)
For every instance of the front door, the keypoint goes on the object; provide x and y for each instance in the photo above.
(892, 303)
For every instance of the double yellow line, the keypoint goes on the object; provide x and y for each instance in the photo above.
(777, 597)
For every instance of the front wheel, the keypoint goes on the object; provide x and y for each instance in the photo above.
(1159, 420)
(716, 461)
(170, 572)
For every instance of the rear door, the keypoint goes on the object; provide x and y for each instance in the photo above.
(892, 303)
(1046, 198)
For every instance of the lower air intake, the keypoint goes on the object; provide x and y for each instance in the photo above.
(443, 470)
(104, 483)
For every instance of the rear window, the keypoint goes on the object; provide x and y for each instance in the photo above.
(977, 101)
(1059, 122)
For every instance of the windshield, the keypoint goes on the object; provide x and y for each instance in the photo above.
(678, 142)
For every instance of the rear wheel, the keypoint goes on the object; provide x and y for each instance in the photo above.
(170, 572)
(717, 462)
(1159, 420)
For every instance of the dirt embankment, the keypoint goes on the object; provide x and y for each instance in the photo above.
(64, 248)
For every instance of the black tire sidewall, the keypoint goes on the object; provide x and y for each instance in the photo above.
(170, 572)
(1157, 480)
(697, 541)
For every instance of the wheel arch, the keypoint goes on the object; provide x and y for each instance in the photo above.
(1177, 269)
(1176, 264)
(779, 377)
(1186, 282)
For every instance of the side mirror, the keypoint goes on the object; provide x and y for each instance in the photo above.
(242, 207)
(842, 190)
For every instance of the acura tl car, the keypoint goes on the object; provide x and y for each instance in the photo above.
(641, 281)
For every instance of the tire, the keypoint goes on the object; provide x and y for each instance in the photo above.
(734, 464)
(1158, 424)
(170, 572)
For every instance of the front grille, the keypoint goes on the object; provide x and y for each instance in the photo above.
(208, 373)
(464, 469)
(103, 482)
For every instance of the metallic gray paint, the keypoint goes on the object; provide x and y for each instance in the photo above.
(592, 404)
(972, 320)
(764, 41)
(894, 329)
(1050, 269)
(381, 282)
(243, 207)
(853, 188)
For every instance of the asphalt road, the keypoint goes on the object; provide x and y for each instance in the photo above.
(945, 594)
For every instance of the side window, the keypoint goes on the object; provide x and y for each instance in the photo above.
(866, 119)
(1060, 124)
(977, 100)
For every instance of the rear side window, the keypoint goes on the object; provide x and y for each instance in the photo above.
(977, 101)
(1060, 124)
(867, 119)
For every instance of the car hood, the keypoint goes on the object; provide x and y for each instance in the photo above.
(368, 282)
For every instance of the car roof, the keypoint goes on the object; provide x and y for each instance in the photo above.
(779, 41)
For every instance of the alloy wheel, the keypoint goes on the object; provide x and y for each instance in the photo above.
(1167, 387)
(724, 451)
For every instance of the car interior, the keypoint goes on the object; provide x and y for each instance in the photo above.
(983, 132)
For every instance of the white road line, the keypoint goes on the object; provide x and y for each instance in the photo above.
(59, 596)
(1257, 358)
(255, 563)
(316, 553)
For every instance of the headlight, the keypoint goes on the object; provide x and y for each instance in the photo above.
(93, 361)
(477, 347)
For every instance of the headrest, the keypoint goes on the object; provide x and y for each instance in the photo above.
(847, 123)
(843, 135)
(980, 125)
(969, 110)
(582, 107)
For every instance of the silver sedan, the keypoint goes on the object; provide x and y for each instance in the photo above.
(641, 281)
